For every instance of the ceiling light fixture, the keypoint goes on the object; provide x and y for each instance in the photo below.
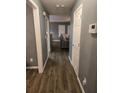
(57, 5)
(62, 6)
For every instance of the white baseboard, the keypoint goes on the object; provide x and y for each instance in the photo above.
(70, 59)
(45, 63)
(32, 67)
(56, 40)
(82, 89)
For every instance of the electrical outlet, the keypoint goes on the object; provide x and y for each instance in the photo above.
(31, 60)
(92, 28)
(84, 81)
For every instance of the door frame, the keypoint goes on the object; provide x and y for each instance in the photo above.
(38, 38)
(80, 6)
(48, 28)
(47, 35)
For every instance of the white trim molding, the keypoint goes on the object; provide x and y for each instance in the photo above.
(82, 89)
(70, 59)
(55, 40)
(45, 63)
(79, 82)
(32, 67)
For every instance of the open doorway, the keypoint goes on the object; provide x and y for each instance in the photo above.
(59, 34)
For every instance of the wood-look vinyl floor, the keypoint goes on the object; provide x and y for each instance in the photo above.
(58, 75)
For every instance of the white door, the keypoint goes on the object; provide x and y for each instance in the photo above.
(61, 29)
(76, 38)
(47, 36)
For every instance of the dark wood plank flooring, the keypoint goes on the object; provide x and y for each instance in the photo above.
(58, 75)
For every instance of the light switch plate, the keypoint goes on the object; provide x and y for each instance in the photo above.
(93, 28)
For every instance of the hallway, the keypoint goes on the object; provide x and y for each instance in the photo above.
(58, 75)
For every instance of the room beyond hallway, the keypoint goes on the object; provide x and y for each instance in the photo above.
(58, 75)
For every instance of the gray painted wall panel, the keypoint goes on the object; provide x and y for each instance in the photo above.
(88, 50)
(30, 38)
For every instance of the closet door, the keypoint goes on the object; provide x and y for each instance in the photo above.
(76, 38)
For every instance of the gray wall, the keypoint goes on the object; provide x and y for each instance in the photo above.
(54, 28)
(30, 38)
(88, 50)
(43, 24)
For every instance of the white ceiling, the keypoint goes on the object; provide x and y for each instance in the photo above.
(60, 18)
(50, 6)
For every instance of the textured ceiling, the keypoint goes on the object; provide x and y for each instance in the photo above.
(59, 18)
(50, 6)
